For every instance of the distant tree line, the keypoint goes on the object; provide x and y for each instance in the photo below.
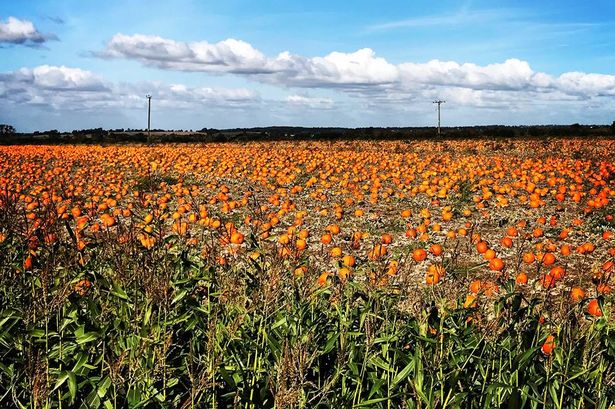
(279, 133)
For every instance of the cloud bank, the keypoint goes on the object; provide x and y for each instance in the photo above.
(361, 71)
(66, 88)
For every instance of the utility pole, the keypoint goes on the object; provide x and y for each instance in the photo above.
(439, 102)
(149, 111)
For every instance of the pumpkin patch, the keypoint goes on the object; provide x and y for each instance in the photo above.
(328, 273)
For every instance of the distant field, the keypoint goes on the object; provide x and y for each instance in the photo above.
(469, 273)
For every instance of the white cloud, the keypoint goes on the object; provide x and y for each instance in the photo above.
(179, 95)
(361, 73)
(310, 102)
(579, 83)
(225, 56)
(513, 74)
(73, 89)
(16, 31)
(63, 78)
(336, 69)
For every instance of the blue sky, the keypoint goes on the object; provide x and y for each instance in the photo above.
(76, 64)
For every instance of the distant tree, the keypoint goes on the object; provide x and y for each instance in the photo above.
(7, 129)
(613, 126)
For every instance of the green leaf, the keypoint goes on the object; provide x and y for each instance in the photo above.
(134, 397)
(280, 322)
(331, 342)
(103, 386)
(119, 292)
(403, 374)
(227, 378)
(92, 400)
(372, 402)
(180, 295)
(525, 358)
(9, 315)
(147, 315)
(37, 333)
(553, 393)
(61, 379)
(8, 370)
(72, 385)
(87, 337)
(81, 360)
(380, 363)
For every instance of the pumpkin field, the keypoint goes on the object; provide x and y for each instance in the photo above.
(378, 274)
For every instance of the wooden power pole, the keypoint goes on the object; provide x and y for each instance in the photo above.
(439, 102)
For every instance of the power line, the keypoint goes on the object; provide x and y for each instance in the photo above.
(439, 102)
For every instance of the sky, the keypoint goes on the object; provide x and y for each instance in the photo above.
(68, 64)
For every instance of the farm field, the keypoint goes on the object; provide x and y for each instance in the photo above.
(412, 274)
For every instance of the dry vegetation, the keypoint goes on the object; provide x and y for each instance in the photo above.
(370, 274)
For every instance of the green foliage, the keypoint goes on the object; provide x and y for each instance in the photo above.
(166, 328)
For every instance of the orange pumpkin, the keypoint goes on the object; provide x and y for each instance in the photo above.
(594, 308)
(577, 294)
(436, 249)
(432, 277)
(549, 345)
(521, 278)
(419, 255)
